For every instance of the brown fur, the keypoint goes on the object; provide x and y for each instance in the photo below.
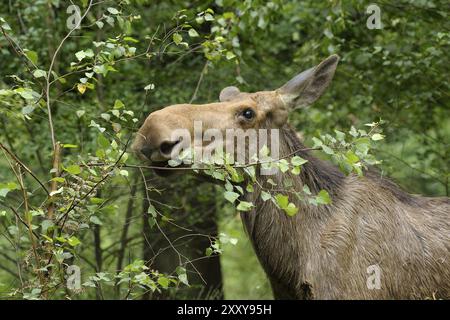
(324, 251)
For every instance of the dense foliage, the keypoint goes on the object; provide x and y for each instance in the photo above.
(80, 218)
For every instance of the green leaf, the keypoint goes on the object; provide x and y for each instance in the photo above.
(298, 161)
(102, 141)
(81, 88)
(351, 157)
(235, 175)
(60, 190)
(291, 209)
(163, 282)
(106, 116)
(230, 55)
(118, 104)
(113, 10)
(362, 145)
(116, 113)
(239, 189)
(327, 150)
(26, 93)
(377, 136)
(73, 241)
(95, 220)
(152, 210)
(174, 162)
(323, 197)
(209, 17)
(80, 55)
(33, 295)
(224, 239)
(228, 186)
(282, 200)
(231, 196)
(182, 275)
(45, 224)
(150, 86)
(193, 33)
(84, 54)
(265, 195)
(96, 200)
(123, 173)
(317, 142)
(353, 132)
(101, 69)
(244, 206)
(131, 39)
(340, 135)
(165, 218)
(283, 165)
(5, 25)
(177, 38)
(59, 179)
(296, 170)
(306, 190)
(38, 212)
(151, 221)
(38, 73)
(73, 169)
(28, 109)
(32, 55)
(68, 145)
(80, 113)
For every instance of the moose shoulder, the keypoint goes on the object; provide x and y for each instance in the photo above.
(324, 252)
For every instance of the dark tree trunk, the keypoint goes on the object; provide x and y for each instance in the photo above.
(146, 231)
(198, 214)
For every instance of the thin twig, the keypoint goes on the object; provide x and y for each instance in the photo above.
(205, 68)
(49, 72)
(96, 164)
(16, 159)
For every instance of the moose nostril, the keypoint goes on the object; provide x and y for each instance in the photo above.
(147, 151)
(166, 147)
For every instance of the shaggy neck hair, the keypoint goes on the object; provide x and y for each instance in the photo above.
(272, 231)
(316, 174)
(323, 251)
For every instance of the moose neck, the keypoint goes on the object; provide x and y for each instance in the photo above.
(316, 174)
(283, 243)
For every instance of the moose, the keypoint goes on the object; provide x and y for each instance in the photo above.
(326, 251)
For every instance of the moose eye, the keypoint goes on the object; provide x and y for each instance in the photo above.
(248, 114)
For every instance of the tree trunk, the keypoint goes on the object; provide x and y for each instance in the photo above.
(199, 216)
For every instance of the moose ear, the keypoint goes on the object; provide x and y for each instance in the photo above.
(308, 86)
(228, 94)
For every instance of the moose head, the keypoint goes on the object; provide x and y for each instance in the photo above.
(159, 138)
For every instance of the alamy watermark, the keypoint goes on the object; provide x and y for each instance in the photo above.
(374, 20)
(73, 278)
(74, 20)
(374, 279)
